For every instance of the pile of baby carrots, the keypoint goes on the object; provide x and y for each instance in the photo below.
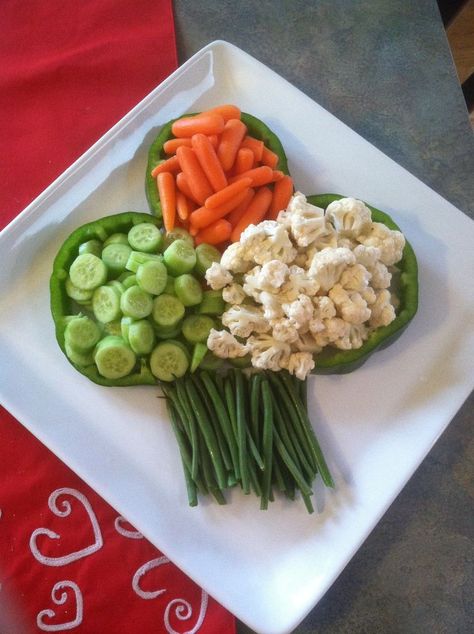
(218, 179)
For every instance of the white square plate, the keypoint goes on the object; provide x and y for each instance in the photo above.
(375, 425)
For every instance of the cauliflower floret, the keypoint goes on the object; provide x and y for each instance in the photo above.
(323, 309)
(268, 277)
(367, 256)
(284, 329)
(391, 243)
(335, 329)
(217, 276)
(347, 243)
(306, 343)
(383, 313)
(369, 295)
(268, 353)
(305, 222)
(353, 338)
(381, 276)
(349, 216)
(298, 282)
(233, 294)
(355, 278)
(224, 345)
(300, 364)
(267, 241)
(300, 311)
(272, 308)
(233, 259)
(243, 319)
(351, 306)
(327, 266)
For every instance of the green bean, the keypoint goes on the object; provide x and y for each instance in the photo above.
(255, 382)
(292, 466)
(208, 433)
(267, 442)
(279, 421)
(307, 503)
(191, 425)
(254, 451)
(231, 408)
(241, 431)
(184, 452)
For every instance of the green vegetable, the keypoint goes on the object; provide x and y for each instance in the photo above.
(156, 154)
(334, 361)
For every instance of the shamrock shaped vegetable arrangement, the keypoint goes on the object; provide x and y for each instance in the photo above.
(249, 288)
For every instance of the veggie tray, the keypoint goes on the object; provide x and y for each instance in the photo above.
(120, 440)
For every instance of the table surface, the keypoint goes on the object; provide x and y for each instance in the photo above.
(385, 69)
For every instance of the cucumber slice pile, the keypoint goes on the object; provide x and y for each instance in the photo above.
(136, 305)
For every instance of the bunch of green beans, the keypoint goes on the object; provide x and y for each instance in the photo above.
(251, 431)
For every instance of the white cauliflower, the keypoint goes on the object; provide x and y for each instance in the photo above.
(217, 276)
(323, 309)
(305, 222)
(367, 256)
(306, 343)
(391, 243)
(335, 329)
(243, 319)
(300, 311)
(272, 308)
(300, 364)
(268, 277)
(298, 282)
(267, 241)
(355, 278)
(382, 310)
(233, 294)
(349, 216)
(350, 305)
(267, 352)
(353, 338)
(328, 265)
(224, 345)
(233, 259)
(380, 276)
(284, 329)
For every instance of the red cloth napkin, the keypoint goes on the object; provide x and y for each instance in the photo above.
(67, 560)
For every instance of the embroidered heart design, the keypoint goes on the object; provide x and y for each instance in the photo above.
(124, 531)
(64, 512)
(154, 563)
(60, 599)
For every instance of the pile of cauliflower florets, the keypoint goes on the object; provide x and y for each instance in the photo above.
(308, 280)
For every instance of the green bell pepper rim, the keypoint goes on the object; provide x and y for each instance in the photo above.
(156, 154)
(62, 306)
(334, 361)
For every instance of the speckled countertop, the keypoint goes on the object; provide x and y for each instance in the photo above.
(384, 68)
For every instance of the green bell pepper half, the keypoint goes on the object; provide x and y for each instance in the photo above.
(156, 154)
(333, 361)
(62, 307)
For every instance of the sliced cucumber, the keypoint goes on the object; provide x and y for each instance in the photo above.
(188, 290)
(178, 233)
(196, 328)
(106, 303)
(81, 359)
(113, 328)
(116, 256)
(206, 254)
(78, 294)
(212, 303)
(152, 276)
(141, 336)
(87, 272)
(168, 310)
(91, 246)
(116, 238)
(114, 358)
(82, 334)
(145, 236)
(167, 332)
(169, 288)
(128, 279)
(169, 361)
(136, 303)
(180, 257)
(137, 258)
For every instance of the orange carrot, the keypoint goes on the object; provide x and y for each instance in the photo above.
(209, 162)
(282, 192)
(222, 196)
(254, 213)
(170, 146)
(204, 123)
(182, 185)
(184, 206)
(167, 192)
(195, 177)
(227, 111)
(243, 161)
(193, 230)
(269, 158)
(169, 165)
(256, 145)
(234, 216)
(203, 216)
(231, 138)
(260, 176)
(215, 233)
(277, 175)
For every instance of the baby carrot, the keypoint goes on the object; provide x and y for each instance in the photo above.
(216, 233)
(234, 216)
(256, 145)
(282, 192)
(254, 213)
(171, 145)
(195, 177)
(184, 205)
(269, 158)
(167, 192)
(203, 216)
(231, 138)
(204, 123)
(260, 176)
(243, 161)
(277, 175)
(169, 165)
(222, 196)
(182, 185)
(209, 162)
(227, 111)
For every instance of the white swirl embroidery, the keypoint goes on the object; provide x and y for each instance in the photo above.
(182, 608)
(66, 510)
(124, 531)
(61, 600)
